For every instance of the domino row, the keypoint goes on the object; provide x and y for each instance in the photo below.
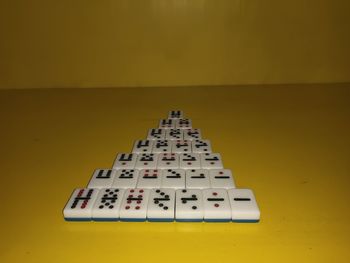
(168, 161)
(174, 134)
(168, 178)
(211, 205)
(172, 146)
(175, 124)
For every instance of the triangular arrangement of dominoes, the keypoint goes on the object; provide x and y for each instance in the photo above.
(173, 175)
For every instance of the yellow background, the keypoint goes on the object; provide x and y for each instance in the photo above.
(290, 144)
(119, 43)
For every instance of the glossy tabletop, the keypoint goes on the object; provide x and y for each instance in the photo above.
(290, 144)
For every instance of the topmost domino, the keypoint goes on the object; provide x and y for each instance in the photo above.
(175, 114)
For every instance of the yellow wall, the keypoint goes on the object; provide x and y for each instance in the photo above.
(85, 43)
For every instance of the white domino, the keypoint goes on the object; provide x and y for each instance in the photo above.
(168, 161)
(183, 124)
(134, 205)
(181, 146)
(161, 205)
(216, 205)
(197, 179)
(192, 134)
(149, 178)
(156, 134)
(125, 161)
(107, 204)
(162, 146)
(243, 205)
(173, 178)
(189, 205)
(221, 178)
(102, 178)
(211, 161)
(125, 178)
(201, 146)
(190, 161)
(79, 206)
(174, 134)
(146, 161)
(167, 124)
(175, 114)
(143, 146)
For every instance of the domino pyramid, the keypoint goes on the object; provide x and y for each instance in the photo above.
(173, 175)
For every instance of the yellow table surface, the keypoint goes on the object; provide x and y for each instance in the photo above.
(290, 144)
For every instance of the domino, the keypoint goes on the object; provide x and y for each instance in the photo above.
(125, 161)
(126, 178)
(146, 161)
(143, 146)
(243, 205)
(190, 161)
(216, 205)
(168, 161)
(102, 178)
(167, 124)
(181, 146)
(162, 146)
(221, 178)
(149, 178)
(211, 161)
(156, 134)
(134, 205)
(192, 134)
(79, 206)
(197, 179)
(107, 205)
(175, 114)
(201, 146)
(161, 205)
(174, 134)
(189, 205)
(173, 178)
(183, 124)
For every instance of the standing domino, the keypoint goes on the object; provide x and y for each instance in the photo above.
(126, 178)
(161, 146)
(175, 114)
(167, 124)
(201, 146)
(190, 161)
(79, 206)
(156, 134)
(174, 134)
(183, 124)
(221, 178)
(134, 205)
(102, 178)
(146, 161)
(192, 134)
(168, 161)
(181, 146)
(161, 205)
(197, 179)
(189, 205)
(149, 178)
(125, 161)
(107, 204)
(243, 205)
(143, 146)
(211, 161)
(173, 178)
(216, 205)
